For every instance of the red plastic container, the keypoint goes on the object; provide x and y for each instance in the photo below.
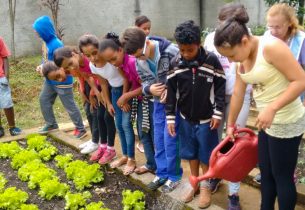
(232, 160)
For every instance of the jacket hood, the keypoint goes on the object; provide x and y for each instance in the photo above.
(45, 28)
(163, 43)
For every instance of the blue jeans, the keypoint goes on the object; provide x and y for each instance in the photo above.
(47, 98)
(147, 138)
(166, 147)
(197, 141)
(123, 124)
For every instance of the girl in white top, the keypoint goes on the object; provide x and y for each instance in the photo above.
(107, 73)
(110, 73)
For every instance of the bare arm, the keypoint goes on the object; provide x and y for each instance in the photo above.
(278, 54)
(90, 80)
(129, 95)
(126, 82)
(105, 90)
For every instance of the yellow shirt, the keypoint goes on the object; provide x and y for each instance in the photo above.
(268, 85)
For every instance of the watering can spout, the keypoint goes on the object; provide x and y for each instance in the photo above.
(194, 180)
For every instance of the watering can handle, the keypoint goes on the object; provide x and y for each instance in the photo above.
(245, 130)
(215, 153)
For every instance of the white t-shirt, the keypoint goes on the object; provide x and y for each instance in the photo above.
(228, 67)
(110, 73)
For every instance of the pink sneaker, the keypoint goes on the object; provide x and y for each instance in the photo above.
(98, 154)
(107, 157)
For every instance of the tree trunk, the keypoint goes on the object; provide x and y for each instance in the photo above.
(12, 11)
(301, 12)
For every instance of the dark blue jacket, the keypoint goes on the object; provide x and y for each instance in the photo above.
(44, 27)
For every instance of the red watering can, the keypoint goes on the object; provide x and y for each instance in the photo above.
(232, 161)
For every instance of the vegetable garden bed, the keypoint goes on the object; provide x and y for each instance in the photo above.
(63, 180)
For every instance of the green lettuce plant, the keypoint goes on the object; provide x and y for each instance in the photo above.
(47, 153)
(12, 199)
(52, 188)
(8, 150)
(29, 207)
(37, 142)
(63, 160)
(39, 176)
(27, 169)
(3, 181)
(23, 157)
(96, 206)
(133, 200)
(82, 174)
(74, 201)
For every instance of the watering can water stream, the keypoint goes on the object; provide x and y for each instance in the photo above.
(232, 160)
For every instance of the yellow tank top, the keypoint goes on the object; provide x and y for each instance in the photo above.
(268, 84)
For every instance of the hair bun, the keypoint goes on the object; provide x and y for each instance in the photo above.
(240, 15)
(111, 35)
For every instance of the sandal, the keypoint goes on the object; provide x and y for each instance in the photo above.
(140, 147)
(119, 162)
(129, 169)
(142, 170)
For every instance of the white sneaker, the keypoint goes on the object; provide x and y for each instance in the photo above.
(90, 147)
(83, 145)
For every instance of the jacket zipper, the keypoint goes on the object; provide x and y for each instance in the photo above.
(194, 79)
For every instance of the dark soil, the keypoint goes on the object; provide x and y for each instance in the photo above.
(113, 185)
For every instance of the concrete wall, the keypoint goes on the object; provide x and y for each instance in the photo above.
(100, 16)
(255, 8)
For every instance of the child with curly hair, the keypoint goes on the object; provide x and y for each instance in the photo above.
(197, 78)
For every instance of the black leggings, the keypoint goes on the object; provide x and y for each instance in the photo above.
(277, 162)
(100, 121)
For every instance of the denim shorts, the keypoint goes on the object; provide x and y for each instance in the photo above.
(5, 94)
(197, 141)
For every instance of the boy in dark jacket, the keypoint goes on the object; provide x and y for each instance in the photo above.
(199, 81)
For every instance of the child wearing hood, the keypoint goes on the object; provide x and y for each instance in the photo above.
(51, 89)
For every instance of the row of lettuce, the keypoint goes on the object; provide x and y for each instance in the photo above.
(29, 162)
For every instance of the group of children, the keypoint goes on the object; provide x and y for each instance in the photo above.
(180, 96)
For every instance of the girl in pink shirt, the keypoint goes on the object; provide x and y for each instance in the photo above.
(111, 50)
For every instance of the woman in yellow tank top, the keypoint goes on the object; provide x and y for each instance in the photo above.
(278, 80)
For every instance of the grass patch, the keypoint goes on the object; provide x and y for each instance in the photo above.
(26, 85)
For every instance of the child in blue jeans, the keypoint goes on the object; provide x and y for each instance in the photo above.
(153, 57)
(198, 79)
